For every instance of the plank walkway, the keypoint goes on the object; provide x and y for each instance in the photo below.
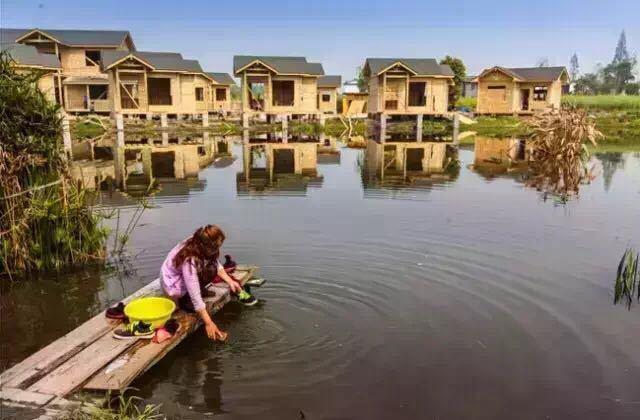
(90, 358)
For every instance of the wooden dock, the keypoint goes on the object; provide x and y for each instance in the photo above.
(89, 358)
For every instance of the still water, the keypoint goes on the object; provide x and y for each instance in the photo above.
(405, 280)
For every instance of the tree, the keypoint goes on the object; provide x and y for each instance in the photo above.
(587, 84)
(542, 62)
(574, 67)
(617, 75)
(621, 53)
(362, 82)
(459, 74)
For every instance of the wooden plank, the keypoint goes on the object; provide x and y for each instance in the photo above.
(34, 367)
(75, 371)
(120, 373)
(25, 397)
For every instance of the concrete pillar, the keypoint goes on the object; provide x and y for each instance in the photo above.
(205, 119)
(323, 119)
(456, 127)
(245, 120)
(149, 116)
(163, 120)
(165, 138)
(419, 127)
(285, 122)
(66, 136)
(119, 121)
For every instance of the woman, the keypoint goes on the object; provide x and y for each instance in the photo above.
(186, 263)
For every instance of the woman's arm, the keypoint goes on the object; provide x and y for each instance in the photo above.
(190, 277)
(233, 284)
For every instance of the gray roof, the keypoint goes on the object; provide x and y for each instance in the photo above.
(72, 37)
(330, 81)
(159, 60)
(222, 78)
(531, 74)
(421, 66)
(282, 65)
(28, 55)
(538, 74)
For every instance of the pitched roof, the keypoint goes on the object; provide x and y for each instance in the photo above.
(281, 65)
(72, 37)
(420, 66)
(158, 60)
(530, 74)
(222, 78)
(330, 81)
(28, 55)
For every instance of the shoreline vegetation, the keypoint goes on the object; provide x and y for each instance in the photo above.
(47, 221)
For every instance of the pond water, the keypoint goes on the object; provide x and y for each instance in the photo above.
(405, 280)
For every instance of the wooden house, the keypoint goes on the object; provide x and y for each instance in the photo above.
(146, 82)
(84, 85)
(328, 94)
(220, 98)
(469, 87)
(407, 86)
(278, 85)
(26, 58)
(504, 90)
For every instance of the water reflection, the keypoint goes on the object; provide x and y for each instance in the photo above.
(499, 157)
(277, 164)
(400, 162)
(166, 165)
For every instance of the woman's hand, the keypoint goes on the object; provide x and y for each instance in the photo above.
(234, 286)
(214, 333)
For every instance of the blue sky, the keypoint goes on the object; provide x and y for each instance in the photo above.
(340, 34)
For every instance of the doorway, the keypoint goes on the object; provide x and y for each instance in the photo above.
(524, 95)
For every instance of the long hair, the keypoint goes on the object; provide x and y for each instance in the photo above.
(203, 247)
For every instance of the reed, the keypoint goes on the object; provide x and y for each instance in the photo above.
(558, 151)
(627, 285)
(46, 220)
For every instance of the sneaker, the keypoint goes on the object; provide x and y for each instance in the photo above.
(136, 330)
(246, 299)
(116, 312)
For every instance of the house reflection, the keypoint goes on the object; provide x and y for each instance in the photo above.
(277, 164)
(328, 150)
(400, 162)
(499, 157)
(165, 165)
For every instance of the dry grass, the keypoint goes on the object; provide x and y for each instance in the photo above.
(558, 151)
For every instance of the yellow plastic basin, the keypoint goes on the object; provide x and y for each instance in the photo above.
(154, 310)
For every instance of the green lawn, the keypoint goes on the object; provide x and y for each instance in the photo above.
(603, 102)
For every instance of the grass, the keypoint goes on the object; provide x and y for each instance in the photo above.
(467, 102)
(123, 408)
(603, 102)
(504, 126)
(627, 285)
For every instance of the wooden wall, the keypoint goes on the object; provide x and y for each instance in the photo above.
(330, 107)
(491, 101)
(436, 92)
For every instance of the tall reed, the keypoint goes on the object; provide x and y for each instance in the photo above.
(46, 220)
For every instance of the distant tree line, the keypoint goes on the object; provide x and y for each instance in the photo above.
(616, 77)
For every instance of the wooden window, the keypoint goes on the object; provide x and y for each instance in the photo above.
(540, 93)
(199, 94)
(221, 94)
(391, 105)
(159, 91)
(417, 92)
(92, 58)
(98, 91)
(283, 92)
(326, 97)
